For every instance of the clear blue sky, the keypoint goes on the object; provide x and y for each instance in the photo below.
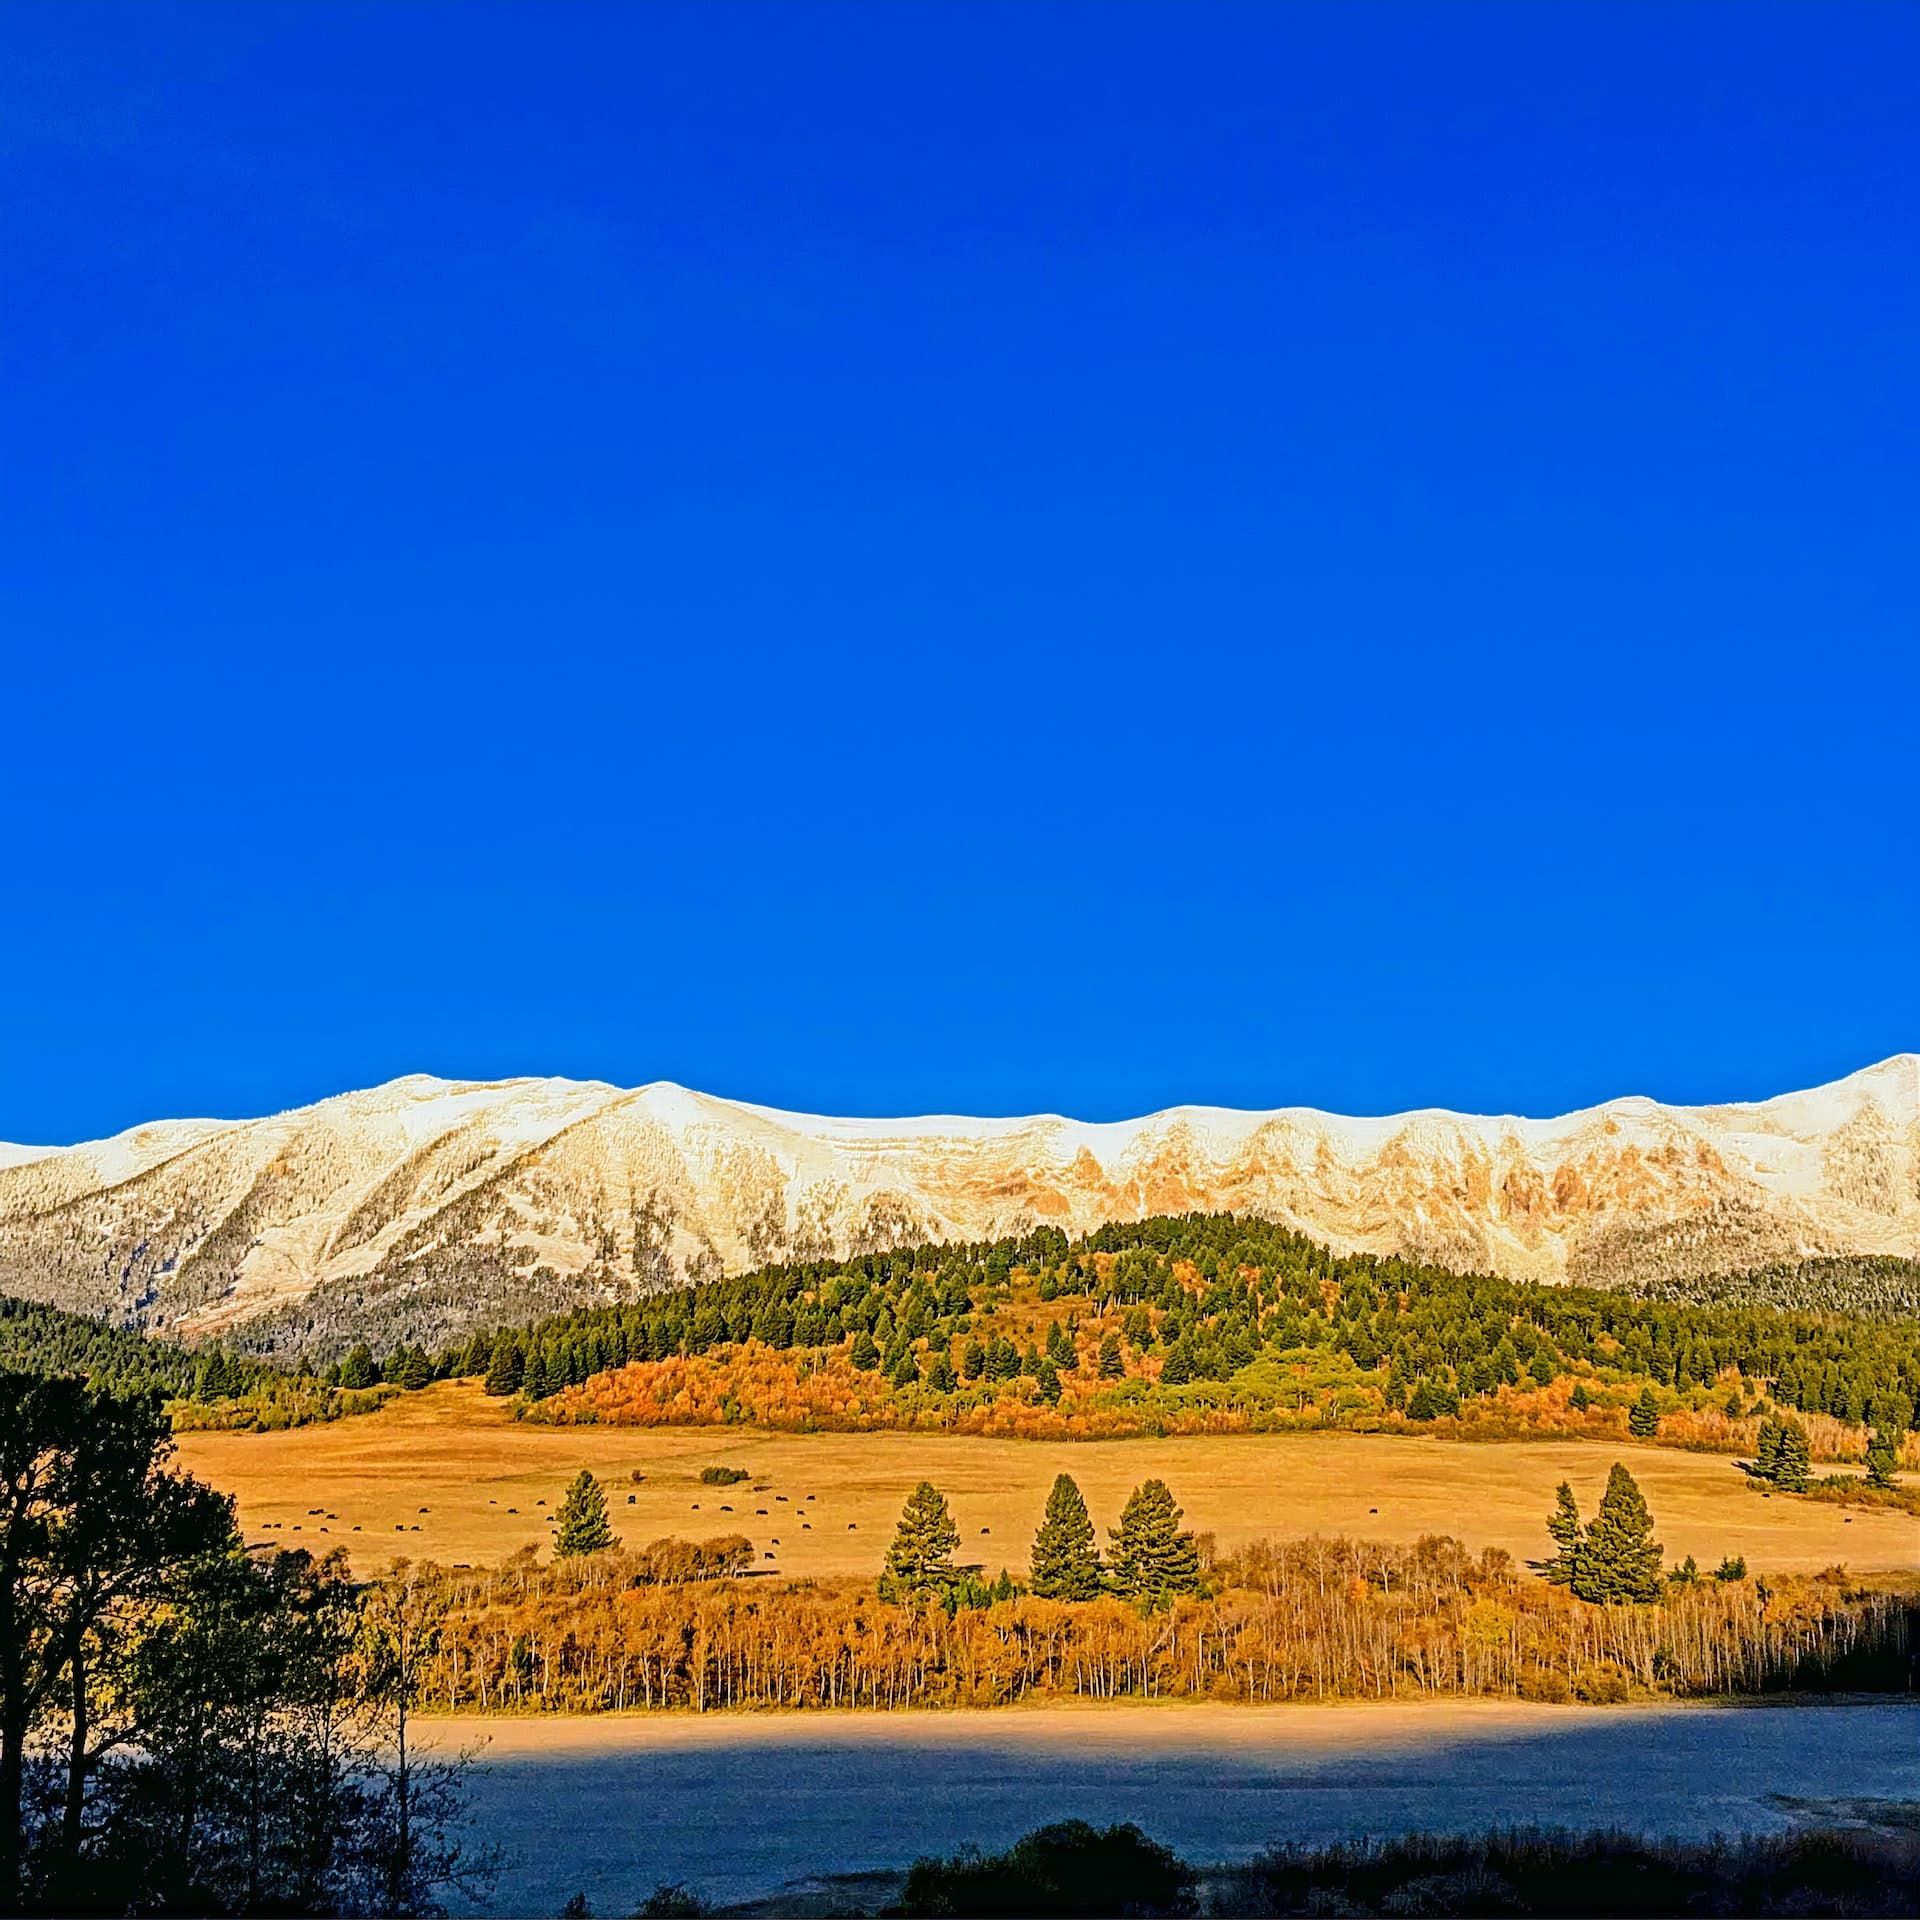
(894, 558)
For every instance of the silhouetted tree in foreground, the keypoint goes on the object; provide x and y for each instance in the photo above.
(184, 1726)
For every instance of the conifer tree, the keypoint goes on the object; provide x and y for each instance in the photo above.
(1152, 1560)
(920, 1558)
(1643, 1422)
(1567, 1533)
(581, 1524)
(940, 1373)
(1112, 1366)
(1766, 1452)
(1427, 1402)
(1580, 1399)
(1883, 1456)
(866, 1352)
(1793, 1465)
(1065, 1563)
(506, 1369)
(356, 1370)
(1619, 1559)
(538, 1380)
(973, 1360)
(1047, 1377)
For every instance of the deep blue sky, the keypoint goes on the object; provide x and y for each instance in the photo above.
(990, 558)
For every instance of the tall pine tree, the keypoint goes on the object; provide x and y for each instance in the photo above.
(1152, 1560)
(581, 1524)
(1065, 1563)
(1793, 1464)
(357, 1369)
(1567, 1534)
(1619, 1559)
(920, 1559)
(506, 1369)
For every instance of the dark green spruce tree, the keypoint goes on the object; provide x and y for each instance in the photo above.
(1793, 1465)
(1065, 1563)
(1567, 1535)
(920, 1558)
(506, 1369)
(1619, 1559)
(1152, 1560)
(581, 1525)
(1883, 1458)
(357, 1369)
(1643, 1421)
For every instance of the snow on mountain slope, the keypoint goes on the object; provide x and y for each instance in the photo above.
(425, 1206)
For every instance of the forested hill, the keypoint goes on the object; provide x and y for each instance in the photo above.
(1174, 1323)
(1865, 1286)
(422, 1210)
(1194, 1314)
(47, 1340)
(207, 1385)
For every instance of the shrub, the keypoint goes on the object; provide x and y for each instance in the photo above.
(1069, 1868)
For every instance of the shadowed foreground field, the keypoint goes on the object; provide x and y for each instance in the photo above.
(749, 1808)
(446, 1474)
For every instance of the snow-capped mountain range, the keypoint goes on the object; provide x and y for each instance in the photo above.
(421, 1208)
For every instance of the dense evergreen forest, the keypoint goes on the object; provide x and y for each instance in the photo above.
(1203, 1313)
(1864, 1286)
(1190, 1323)
(205, 1385)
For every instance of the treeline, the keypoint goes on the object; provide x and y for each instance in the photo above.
(207, 1385)
(1297, 1620)
(1864, 1286)
(1119, 1320)
(1170, 1324)
(48, 1340)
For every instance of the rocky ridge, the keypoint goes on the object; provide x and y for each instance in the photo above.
(426, 1206)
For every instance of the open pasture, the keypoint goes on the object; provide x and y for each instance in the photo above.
(447, 1475)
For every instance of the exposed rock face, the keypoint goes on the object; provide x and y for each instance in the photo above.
(423, 1207)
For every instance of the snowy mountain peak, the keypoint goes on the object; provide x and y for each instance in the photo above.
(419, 1207)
